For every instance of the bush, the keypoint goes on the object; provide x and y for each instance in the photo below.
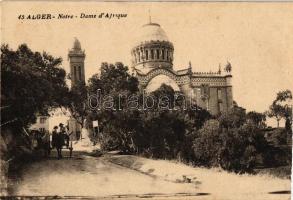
(238, 152)
(277, 136)
(206, 144)
(233, 148)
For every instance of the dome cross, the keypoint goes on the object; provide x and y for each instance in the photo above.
(150, 17)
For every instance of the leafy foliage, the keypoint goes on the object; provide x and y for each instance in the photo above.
(240, 147)
(76, 102)
(117, 124)
(162, 131)
(234, 118)
(280, 108)
(234, 140)
(31, 83)
(207, 143)
(230, 142)
(256, 118)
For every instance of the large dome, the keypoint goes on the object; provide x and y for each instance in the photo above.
(152, 48)
(151, 32)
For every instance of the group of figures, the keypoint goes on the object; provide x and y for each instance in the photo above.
(42, 140)
(60, 138)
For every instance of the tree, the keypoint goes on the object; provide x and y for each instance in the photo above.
(77, 102)
(257, 118)
(233, 148)
(285, 99)
(281, 108)
(234, 118)
(161, 131)
(276, 111)
(197, 116)
(115, 77)
(118, 123)
(232, 141)
(32, 83)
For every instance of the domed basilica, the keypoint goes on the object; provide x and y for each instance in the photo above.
(152, 62)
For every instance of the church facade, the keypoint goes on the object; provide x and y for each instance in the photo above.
(152, 61)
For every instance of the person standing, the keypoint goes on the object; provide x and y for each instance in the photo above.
(59, 143)
(54, 136)
(46, 143)
(67, 135)
(64, 134)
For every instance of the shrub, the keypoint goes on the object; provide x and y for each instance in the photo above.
(233, 148)
(238, 152)
(206, 144)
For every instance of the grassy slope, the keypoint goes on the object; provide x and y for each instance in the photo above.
(220, 184)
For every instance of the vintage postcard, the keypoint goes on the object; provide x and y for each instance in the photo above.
(146, 100)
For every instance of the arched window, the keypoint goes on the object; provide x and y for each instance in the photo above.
(158, 54)
(167, 55)
(163, 54)
(146, 54)
(138, 56)
(152, 54)
(79, 73)
(74, 72)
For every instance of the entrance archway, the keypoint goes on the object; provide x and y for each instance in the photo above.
(158, 80)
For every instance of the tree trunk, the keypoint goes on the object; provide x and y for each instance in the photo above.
(288, 125)
(81, 124)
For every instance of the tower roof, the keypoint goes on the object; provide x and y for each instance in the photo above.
(76, 44)
(76, 49)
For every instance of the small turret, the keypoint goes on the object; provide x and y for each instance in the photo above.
(220, 70)
(228, 67)
(190, 68)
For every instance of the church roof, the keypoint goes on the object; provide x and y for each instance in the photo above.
(151, 32)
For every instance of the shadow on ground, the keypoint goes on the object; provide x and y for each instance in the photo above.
(281, 192)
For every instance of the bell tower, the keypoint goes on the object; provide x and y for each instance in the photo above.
(76, 58)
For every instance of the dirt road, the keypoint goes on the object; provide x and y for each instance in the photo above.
(86, 176)
(89, 177)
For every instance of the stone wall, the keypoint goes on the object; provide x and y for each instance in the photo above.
(213, 101)
(229, 97)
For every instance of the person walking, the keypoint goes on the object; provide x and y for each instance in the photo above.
(67, 136)
(46, 143)
(54, 136)
(64, 134)
(59, 143)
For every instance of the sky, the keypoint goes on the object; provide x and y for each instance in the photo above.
(256, 38)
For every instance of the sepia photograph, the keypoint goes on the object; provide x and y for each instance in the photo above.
(146, 100)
